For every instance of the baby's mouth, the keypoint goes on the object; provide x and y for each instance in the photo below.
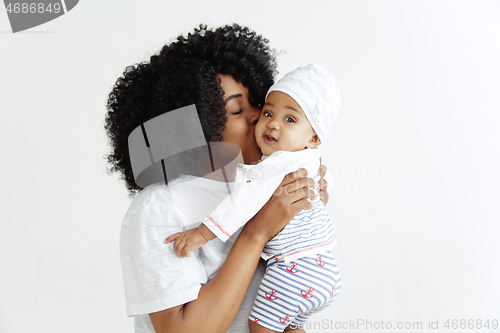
(269, 139)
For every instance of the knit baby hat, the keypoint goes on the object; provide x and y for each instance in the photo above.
(316, 92)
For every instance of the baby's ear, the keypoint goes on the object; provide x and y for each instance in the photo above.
(314, 142)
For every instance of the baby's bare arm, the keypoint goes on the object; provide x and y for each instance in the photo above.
(190, 240)
(206, 233)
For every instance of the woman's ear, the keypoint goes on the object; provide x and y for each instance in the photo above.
(314, 142)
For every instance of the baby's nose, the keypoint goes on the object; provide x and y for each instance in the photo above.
(273, 124)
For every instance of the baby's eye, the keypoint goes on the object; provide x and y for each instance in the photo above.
(289, 120)
(267, 114)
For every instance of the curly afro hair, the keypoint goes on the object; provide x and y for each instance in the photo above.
(184, 73)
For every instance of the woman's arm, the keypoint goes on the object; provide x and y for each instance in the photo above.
(228, 288)
(240, 212)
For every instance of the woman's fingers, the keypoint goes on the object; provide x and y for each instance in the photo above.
(301, 183)
(302, 193)
(296, 187)
(322, 171)
(323, 184)
(322, 189)
(288, 200)
(303, 204)
(293, 176)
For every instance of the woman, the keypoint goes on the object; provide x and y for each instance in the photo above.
(226, 72)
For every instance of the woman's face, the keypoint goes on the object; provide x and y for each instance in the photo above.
(242, 115)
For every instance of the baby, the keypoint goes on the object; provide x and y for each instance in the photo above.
(302, 275)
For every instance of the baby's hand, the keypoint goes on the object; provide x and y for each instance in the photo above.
(187, 241)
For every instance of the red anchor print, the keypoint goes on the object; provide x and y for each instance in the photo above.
(275, 258)
(320, 263)
(333, 288)
(267, 270)
(256, 320)
(270, 297)
(306, 295)
(292, 269)
(285, 321)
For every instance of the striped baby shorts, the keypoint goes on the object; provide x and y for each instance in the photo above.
(290, 292)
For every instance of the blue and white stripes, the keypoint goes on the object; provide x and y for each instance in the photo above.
(290, 292)
(310, 232)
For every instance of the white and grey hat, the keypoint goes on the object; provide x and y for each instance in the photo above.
(317, 93)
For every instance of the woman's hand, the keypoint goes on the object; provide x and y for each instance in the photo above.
(323, 184)
(287, 201)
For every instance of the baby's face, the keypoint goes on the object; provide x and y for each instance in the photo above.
(283, 126)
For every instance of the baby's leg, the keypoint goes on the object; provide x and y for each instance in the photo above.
(290, 292)
(274, 308)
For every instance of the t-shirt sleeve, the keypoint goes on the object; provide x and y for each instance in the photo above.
(155, 278)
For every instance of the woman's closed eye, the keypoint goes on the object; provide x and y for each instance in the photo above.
(241, 110)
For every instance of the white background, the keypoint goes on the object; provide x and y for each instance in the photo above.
(415, 154)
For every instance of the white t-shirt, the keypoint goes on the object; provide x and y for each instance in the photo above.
(155, 278)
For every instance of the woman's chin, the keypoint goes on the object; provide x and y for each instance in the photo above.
(252, 155)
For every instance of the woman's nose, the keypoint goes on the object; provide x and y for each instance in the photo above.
(254, 116)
